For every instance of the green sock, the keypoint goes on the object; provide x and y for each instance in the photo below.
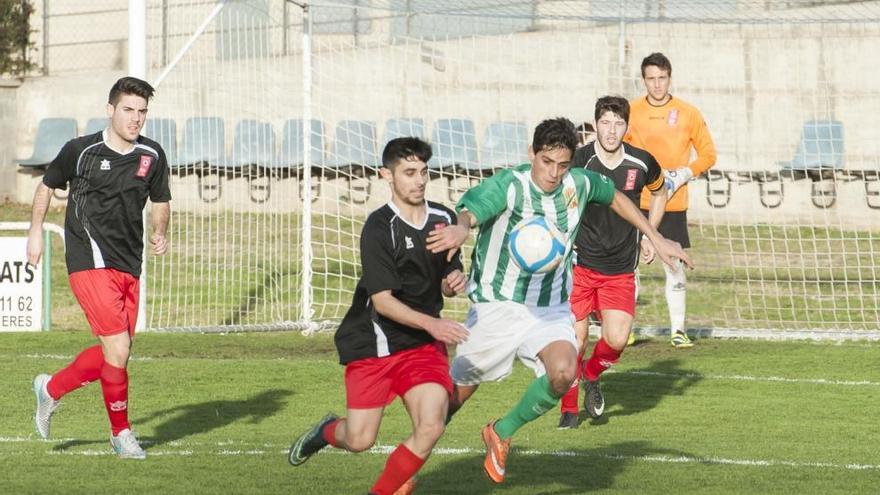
(536, 401)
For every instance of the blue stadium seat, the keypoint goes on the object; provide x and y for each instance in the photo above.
(396, 128)
(164, 132)
(94, 125)
(455, 145)
(51, 136)
(292, 149)
(505, 144)
(203, 151)
(292, 156)
(253, 154)
(820, 147)
(353, 156)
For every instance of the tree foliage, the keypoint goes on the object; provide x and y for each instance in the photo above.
(15, 30)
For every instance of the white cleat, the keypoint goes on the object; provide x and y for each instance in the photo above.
(46, 405)
(126, 445)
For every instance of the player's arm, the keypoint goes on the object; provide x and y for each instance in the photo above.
(659, 197)
(446, 331)
(159, 216)
(59, 172)
(666, 249)
(703, 145)
(480, 203)
(42, 198)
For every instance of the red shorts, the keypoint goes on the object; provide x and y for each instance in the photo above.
(109, 299)
(375, 382)
(593, 291)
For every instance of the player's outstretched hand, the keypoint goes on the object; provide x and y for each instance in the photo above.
(160, 244)
(454, 283)
(648, 251)
(671, 251)
(447, 331)
(34, 246)
(449, 238)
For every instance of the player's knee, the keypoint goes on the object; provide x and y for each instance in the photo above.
(430, 431)
(561, 379)
(359, 442)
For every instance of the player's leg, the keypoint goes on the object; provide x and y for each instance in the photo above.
(616, 326)
(460, 395)
(582, 302)
(674, 226)
(355, 432)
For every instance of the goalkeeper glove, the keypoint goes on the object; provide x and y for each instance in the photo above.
(674, 179)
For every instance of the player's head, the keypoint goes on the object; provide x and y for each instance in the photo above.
(586, 134)
(127, 107)
(657, 74)
(612, 119)
(552, 147)
(405, 167)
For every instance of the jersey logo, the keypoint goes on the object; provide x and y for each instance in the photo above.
(409, 242)
(672, 118)
(144, 167)
(105, 164)
(630, 179)
(570, 195)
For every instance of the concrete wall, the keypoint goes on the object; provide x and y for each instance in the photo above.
(9, 124)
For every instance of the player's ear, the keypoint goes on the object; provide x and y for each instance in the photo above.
(386, 174)
(110, 109)
(531, 154)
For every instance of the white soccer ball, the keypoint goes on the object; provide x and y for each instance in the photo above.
(536, 245)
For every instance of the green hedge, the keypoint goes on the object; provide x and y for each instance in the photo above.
(15, 30)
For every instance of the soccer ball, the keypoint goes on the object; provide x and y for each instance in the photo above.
(536, 245)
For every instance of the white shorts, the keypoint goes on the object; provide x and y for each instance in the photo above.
(501, 331)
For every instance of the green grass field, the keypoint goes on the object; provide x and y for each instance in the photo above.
(217, 414)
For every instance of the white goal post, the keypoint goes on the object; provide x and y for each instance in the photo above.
(785, 228)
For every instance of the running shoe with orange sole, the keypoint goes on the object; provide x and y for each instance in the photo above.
(496, 453)
(407, 488)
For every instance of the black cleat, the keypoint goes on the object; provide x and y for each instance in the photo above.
(310, 442)
(594, 401)
(568, 421)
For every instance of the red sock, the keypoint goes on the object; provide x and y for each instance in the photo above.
(84, 369)
(569, 402)
(402, 465)
(603, 358)
(329, 432)
(114, 383)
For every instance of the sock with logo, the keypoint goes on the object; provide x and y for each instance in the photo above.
(84, 369)
(537, 400)
(402, 464)
(676, 293)
(114, 384)
(603, 357)
(569, 402)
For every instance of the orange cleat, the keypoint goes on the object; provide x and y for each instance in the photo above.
(496, 453)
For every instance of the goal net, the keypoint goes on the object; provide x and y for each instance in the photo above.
(278, 112)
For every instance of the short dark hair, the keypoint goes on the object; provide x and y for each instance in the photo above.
(658, 60)
(130, 86)
(614, 104)
(404, 147)
(555, 133)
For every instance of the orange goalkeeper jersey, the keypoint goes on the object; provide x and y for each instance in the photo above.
(668, 132)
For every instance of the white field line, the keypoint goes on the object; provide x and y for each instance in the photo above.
(742, 378)
(274, 450)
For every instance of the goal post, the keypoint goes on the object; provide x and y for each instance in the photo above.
(279, 111)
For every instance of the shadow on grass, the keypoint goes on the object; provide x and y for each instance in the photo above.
(191, 419)
(569, 472)
(641, 389)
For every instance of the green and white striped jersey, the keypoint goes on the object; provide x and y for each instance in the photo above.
(499, 203)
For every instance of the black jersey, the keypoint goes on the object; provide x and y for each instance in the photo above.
(394, 257)
(606, 242)
(104, 225)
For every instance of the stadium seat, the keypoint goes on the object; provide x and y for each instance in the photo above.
(292, 156)
(51, 136)
(819, 154)
(203, 151)
(253, 153)
(353, 156)
(94, 125)
(164, 132)
(455, 145)
(505, 144)
(396, 128)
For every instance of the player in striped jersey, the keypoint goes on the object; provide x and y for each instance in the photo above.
(515, 313)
